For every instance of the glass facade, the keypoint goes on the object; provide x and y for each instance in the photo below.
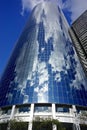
(44, 67)
(78, 34)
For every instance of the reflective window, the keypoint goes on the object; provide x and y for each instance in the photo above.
(62, 109)
(6, 111)
(23, 109)
(42, 108)
(44, 66)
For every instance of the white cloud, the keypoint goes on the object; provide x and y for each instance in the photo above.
(76, 7)
(29, 4)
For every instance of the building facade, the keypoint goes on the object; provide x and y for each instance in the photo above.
(44, 76)
(79, 36)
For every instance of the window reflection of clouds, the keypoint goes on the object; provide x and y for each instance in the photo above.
(44, 66)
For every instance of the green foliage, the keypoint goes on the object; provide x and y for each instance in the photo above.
(46, 124)
(58, 124)
(84, 113)
(3, 126)
(83, 126)
(83, 116)
(38, 124)
(14, 125)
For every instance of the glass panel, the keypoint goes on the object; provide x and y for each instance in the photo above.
(24, 109)
(42, 109)
(6, 111)
(62, 109)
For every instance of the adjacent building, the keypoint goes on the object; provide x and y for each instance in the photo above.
(44, 77)
(79, 36)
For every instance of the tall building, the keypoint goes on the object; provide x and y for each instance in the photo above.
(79, 36)
(44, 76)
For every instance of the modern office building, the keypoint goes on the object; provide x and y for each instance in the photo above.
(44, 77)
(79, 36)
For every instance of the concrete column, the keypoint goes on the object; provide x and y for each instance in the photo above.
(74, 112)
(30, 126)
(54, 127)
(54, 115)
(11, 116)
(53, 111)
(32, 111)
(76, 125)
(31, 117)
(74, 108)
(12, 112)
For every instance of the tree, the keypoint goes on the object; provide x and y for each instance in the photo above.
(14, 125)
(46, 124)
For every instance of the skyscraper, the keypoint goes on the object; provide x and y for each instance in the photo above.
(79, 35)
(44, 73)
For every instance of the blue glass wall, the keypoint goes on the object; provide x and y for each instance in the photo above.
(44, 67)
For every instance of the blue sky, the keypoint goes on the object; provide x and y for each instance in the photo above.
(14, 14)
